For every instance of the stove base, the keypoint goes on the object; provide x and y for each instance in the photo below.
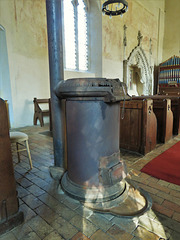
(122, 199)
(136, 202)
(92, 194)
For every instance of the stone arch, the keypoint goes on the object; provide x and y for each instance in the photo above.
(138, 58)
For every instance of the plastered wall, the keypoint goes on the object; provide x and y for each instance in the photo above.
(26, 34)
(25, 25)
(146, 16)
(172, 29)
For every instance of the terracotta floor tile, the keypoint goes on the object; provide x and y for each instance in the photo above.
(118, 233)
(100, 235)
(53, 236)
(142, 233)
(49, 215)
(80, 236)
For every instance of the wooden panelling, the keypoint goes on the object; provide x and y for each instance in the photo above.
(8, 195)
(164, 115)
(136, 128)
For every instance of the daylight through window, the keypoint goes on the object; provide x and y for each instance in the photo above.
(75, 35)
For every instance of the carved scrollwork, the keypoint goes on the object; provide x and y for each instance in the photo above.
(138, 58)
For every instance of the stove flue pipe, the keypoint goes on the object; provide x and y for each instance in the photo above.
(56, 67)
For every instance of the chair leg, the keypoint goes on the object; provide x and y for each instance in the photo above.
(35, 119)
(41, 119)
(17, 147)
(29, 155)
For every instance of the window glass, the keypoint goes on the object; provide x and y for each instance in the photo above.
(82, 36)
(69, 33)
(75, 35)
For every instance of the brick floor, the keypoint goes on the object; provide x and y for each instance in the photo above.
(53, 215)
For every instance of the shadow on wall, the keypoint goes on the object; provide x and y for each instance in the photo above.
(27, 110)
(5, 84)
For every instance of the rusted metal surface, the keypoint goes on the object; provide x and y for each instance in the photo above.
(8, 195)
(92, 118)
(95, 173)
(132, 202)
(92, 193)
(92, 133)
(56, 67)
(107, 90)
(111, 169)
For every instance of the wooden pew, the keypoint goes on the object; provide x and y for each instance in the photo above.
(9, 212)
(175, 108)
(138, 128)
(164, 115)
(39, 113)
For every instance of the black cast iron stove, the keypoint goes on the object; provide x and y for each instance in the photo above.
(95, 172)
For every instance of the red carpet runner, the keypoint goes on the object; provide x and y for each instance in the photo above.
(166, 166)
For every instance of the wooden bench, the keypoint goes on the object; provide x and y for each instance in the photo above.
(164, 115)
(39, 113)
(138, 128)
(175, 108)
(8, 194)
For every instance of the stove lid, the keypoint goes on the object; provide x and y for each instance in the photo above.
(108, 90)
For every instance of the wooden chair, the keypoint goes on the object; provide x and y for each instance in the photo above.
(20, 138)
(39, 113)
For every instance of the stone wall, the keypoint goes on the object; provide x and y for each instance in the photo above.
(25, 26)
(172, 29)
(146, 16)
(26, 34)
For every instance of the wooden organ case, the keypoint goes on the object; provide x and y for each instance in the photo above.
(169, 77)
